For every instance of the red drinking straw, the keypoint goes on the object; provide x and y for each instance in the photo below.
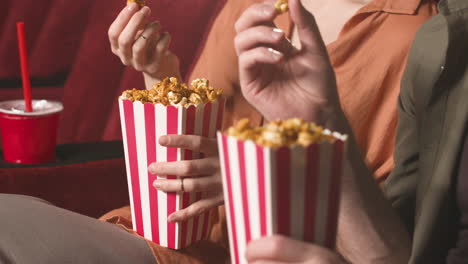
(24, 66)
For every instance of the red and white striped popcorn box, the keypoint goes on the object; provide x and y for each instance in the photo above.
(142, 125)
(292, 191)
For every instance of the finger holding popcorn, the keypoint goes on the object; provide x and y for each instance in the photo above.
(273, 80)
(138, 43)
(139, 46)
(252, 60)
(119, 24)
(140, 3)
(129, 35)
(262, 36)
(256, 15)
(159, 53)
(147, 40)
(308, 30)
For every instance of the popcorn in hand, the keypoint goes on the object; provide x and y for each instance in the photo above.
(281, 6)
(141, 3)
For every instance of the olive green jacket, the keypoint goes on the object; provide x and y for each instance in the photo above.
(433, 113)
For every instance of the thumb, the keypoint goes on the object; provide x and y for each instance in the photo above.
(308, 31)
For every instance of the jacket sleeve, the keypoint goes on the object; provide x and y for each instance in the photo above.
(400, 187)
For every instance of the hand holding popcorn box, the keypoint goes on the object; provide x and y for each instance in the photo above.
(283, 178)
(169, 108)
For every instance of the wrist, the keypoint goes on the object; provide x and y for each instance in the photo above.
(150, 80)
(330, 116)
(334, 118)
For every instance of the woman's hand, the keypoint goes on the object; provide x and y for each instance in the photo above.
(200, 175)
(275, 75)
(139, 43)
(280, 249)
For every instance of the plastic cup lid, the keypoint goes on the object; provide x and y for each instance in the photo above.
(40, 107)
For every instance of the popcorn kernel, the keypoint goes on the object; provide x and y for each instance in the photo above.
(141, 3)
(282, 6)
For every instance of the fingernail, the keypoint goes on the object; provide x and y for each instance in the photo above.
(132, 7)
(268, 11)
(163, 140)
(145, 10)
(150, 169)
(157, 184)
(275, 53)
(277, 33)
(172, 218)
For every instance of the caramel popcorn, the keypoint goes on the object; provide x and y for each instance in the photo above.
(171, 91)
(281, 6)
(281, 133)
(141, 3)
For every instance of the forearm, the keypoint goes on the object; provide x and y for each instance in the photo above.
(369, 230)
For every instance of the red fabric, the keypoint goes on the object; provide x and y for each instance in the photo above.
(70, 55)
(97, 117)
(53, 35)
(90, 188)
(93, 83)
(71, 61)
(34, 19)
(56, 47)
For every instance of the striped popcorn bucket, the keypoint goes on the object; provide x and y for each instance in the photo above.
(292, 191)
(142, 125)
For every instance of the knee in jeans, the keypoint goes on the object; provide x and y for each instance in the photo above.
(9, 198)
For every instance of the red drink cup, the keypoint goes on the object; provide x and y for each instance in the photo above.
(29, 137)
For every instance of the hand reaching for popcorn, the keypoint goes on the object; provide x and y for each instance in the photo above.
(276, 76)
(140, 44)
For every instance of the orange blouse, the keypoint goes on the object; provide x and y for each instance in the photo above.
(369, 58)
